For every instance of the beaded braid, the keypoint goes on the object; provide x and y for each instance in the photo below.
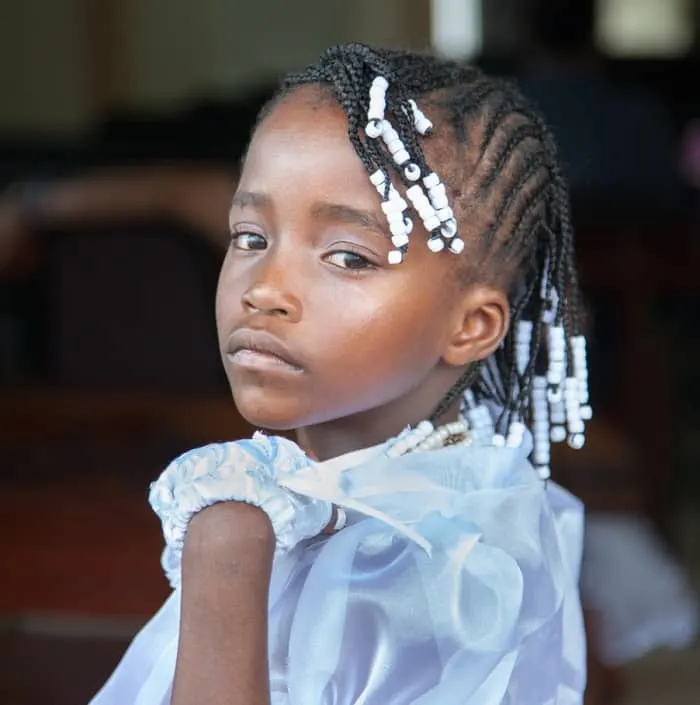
(502, 178)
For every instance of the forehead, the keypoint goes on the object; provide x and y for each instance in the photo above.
(301, 155)
(305, 137)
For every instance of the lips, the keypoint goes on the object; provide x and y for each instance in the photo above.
(256, 347)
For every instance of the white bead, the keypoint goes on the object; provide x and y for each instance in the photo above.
(578, 342)
(556, 336)
(498, 440)
(547, 317)
(389, 134)
(449, 228)
(395, 257)
(517, 427)
(556, 355)
(421, 122)
(436, 244)
(423, 207)
(412, 172)
(456, 245)
(395, 146)
(391, 206)
(428, 212)
(431, 180)
(431, 223)
(425, 427)
(373, 129)
(586, 412)
(401, 156)
(576, 426)
(413, 191)
(377, 95)
(555, 395)
(380, 83)
(438, 190)
(396, 219)
(555, 374)
(377, 105)
(576, 441)
(400, 240)
(423, 125)
(415, 194)
(341, 518)
(556, 368)
(544, 472)
(557, 434)
(440, 201)
(376, 110)
(524, 331)
(377, 178)
(425, 211)
(444, 213)
(557, 414)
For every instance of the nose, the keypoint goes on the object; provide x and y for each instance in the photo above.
(270, 293)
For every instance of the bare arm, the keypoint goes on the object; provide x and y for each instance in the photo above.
(222, 654)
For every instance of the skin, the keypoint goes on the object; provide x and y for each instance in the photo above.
(379, 345)
(376, 347)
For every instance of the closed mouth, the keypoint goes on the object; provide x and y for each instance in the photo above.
(259, 349)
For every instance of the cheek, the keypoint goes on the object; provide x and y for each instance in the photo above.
(228, 296)
(384, 337)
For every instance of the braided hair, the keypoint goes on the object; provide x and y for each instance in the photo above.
(499, 164)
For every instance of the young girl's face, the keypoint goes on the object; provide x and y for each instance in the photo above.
(314, 325)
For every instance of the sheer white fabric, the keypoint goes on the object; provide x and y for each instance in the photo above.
(482, 610)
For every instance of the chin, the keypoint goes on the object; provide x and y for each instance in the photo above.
(264, 411)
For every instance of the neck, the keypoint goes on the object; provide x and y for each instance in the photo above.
(333, 438)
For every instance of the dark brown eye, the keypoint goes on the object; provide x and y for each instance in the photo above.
(348, 260)
(248, 241)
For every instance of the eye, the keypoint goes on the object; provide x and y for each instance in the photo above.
(345, 259)
(248, 241)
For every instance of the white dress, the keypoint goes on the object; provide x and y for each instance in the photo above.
(455, 582)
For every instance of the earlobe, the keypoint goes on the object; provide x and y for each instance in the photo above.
(481, 323)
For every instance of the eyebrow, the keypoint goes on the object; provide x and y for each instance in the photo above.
(337, 212)
(249, 198)
(351, 216)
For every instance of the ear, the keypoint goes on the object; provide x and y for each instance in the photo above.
(482, 316)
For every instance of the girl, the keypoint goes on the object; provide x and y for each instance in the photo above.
(400, 290)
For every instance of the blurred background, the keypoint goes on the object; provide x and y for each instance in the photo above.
(122, 123)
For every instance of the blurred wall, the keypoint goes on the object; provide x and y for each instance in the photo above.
(43, 65)
(64, 62)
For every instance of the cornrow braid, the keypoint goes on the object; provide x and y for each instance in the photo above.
(500, 173)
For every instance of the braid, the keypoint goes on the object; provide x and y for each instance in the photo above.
(499, 164)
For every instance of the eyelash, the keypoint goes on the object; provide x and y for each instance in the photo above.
(238, 237)
(366, 264)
